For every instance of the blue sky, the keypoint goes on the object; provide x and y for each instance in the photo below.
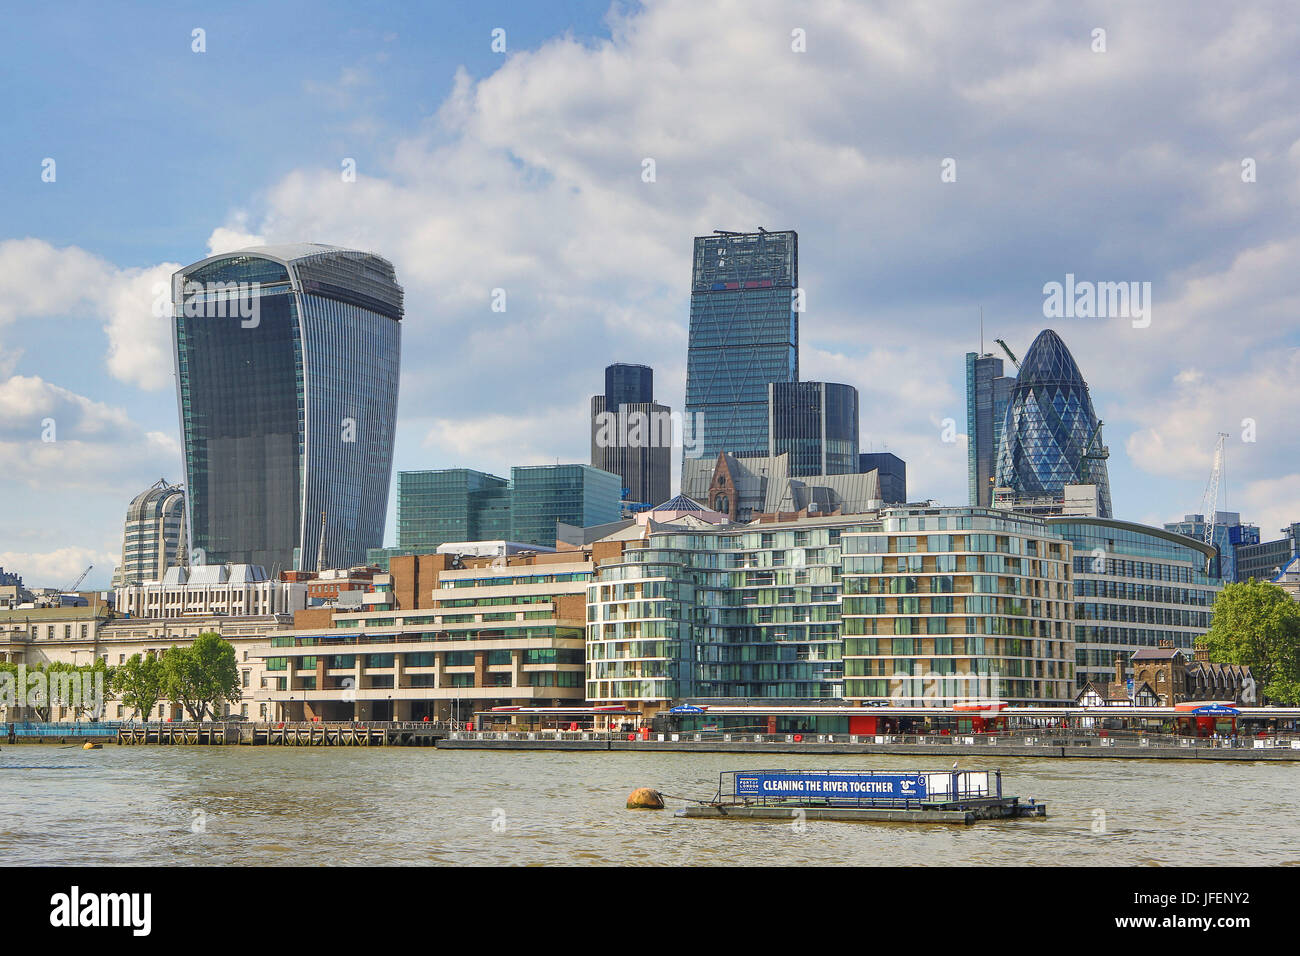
(480, 170)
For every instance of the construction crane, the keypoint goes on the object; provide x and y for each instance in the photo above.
(1010, 354)
(71, 588)
(1093, 450)
(1211, 501)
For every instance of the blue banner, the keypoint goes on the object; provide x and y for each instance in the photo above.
(844, 785)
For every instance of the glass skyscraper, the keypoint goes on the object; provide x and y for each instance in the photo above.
(1051, 436)
(817, 424)
(287, 371)
(459, 504)
(988, 392)
(744, 333)
(578, 495)
(632, 434)
(453, 504)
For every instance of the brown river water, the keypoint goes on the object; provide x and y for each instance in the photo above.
(267, 806)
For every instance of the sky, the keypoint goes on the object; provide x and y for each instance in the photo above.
(937, 160)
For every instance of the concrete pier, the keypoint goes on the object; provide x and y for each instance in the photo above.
(949, 747)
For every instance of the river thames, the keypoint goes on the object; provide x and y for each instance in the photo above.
(266, 806)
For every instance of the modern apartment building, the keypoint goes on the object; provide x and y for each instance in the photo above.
(717, 612)
(944, 605)
(744, 334)
(459, 634)
(153, 538)
(632, 435)
(988, 392)
(927, 606)
(1135, 587)
(287, 364)
(816, 424)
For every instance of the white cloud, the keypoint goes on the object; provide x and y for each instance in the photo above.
(1115, 166)
(39, 280)
(53, 439)
(60, 567)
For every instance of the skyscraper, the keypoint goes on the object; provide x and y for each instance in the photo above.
(1051, 435)
(987, 393)
(153, 538)
(744, 333)
(287, 371)
(453, 504)
(817, 423)
(891, 472)
(578, 495)
(631, 434)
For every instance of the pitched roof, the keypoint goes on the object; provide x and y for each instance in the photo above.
(1155, 654)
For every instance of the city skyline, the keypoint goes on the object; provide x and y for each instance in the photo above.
(895, 269)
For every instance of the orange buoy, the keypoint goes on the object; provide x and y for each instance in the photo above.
(643, 798)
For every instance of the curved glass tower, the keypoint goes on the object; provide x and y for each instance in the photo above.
(817, 424)
(286, 368)
(1050, 432)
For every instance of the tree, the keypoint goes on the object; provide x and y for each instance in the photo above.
(1257, 625)
(59, 683)
(202, 675)
(141, 683)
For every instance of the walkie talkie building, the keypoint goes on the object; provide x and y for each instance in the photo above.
(287, 371)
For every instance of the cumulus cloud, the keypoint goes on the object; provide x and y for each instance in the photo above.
(530, 181)
(54, 440)
(1115, 166)
(39, 280)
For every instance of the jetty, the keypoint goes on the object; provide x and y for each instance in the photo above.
(959, 797)
(218, 733)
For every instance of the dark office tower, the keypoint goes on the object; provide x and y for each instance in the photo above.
(287, 365)
(744, 334)
(632, 435)
(987, 393)
(892, 473)
(817, 424)
(1051, 437)
(628, 385)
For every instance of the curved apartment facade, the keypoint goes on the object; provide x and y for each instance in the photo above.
(153, 537)
(287, 361)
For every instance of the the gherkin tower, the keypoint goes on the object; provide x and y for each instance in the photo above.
(1051, 436)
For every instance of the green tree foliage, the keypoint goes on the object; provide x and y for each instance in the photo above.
(140, 683)
(202, 676)
(56, 674)
(1257, 625)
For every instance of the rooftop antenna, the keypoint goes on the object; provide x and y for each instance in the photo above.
(981, 330)
(320, 549)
